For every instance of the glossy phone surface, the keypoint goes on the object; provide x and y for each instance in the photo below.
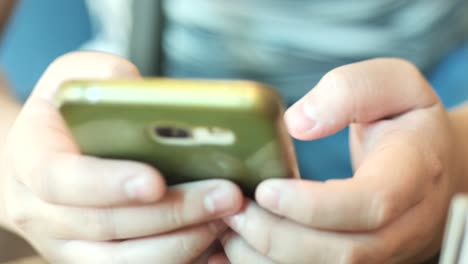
(188, 129)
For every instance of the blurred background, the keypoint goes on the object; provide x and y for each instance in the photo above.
(38, 32)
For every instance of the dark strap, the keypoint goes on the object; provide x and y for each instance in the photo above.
(146, 37)
(6, 8)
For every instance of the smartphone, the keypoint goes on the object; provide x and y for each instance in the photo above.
(190, 130)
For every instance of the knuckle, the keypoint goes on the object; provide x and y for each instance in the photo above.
(383, 208)
(43, 176)
(343, 81)
(176, 214)
(40, 177)
(113, 65)
(187, 248)
(406, 65)
(63, 61)
(417, 79)
(19, 217)
(16, 207)
(338, 77)
(266, 247)
(434, 166)
(101, 226)
(309, 216)
(65, 58)
(437, 170)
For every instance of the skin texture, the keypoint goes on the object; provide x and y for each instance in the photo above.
(407, 152)
(79, 209)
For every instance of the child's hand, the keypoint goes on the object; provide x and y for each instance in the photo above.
(407, 167)
(79, 209)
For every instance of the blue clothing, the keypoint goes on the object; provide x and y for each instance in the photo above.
(39, 32)
(262, 40)
(35, 39)
(291, 44)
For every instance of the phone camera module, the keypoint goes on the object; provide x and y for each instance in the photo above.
(172, 132)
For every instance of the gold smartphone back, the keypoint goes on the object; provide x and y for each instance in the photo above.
(188, 129)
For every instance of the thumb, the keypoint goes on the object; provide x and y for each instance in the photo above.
(83, 65)
(362, 92)
(47, 159)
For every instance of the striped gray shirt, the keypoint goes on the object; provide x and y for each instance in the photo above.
(291, 44)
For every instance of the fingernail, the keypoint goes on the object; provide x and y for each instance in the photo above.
(269, 196)
(299, 121)
(219, 200)
(139, 188)
(235, 221)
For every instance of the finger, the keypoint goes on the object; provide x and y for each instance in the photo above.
(82, 65)
(361, 92)
(395, 176)
(40, 128)
(184, 205)
(66, 179)
(43, 155)
(220, 258)
(178, 247)
(215, 248)
(283, 241)
(239, 252)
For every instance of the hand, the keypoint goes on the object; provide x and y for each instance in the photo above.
(407, 167)
(80, 209)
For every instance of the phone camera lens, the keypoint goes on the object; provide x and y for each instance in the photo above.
(172, 132)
